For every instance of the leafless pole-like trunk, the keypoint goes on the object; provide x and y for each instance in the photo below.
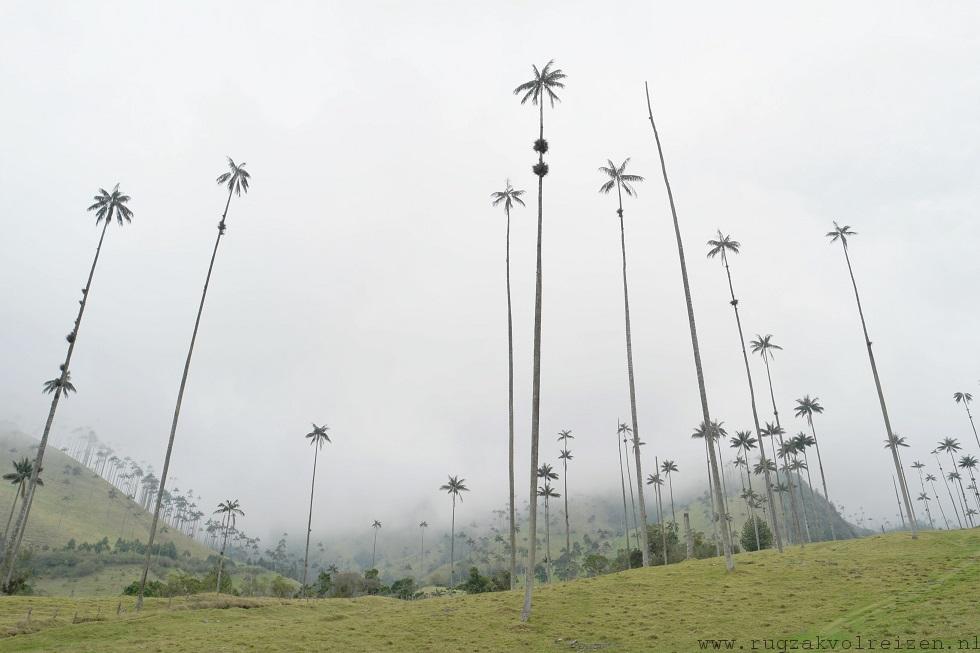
(14, 538)
(622, 482)
(309, 522)
(823, 480)
(899, 502)
(881, 398)
(719, 504)
(510, 416)
(180, 399)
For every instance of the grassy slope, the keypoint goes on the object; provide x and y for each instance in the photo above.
(876, 587)
(78, 506)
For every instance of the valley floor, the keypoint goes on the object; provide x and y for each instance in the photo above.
(881, 587)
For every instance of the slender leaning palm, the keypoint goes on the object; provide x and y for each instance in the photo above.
(621, 431)
(618, 179)
(455, 487)
(657, 481)
(969, 463)
(547, 492)
(542, 86)
(965, 398)
(714, 468)
(237, 180)
(376, 525)
(107, 205)
(842, 233)
(723, 247)
(952, 446)
(509, 197)
(946, 480)
(744, 442)
(228, 510)
(807, 407)
(317, 437)
(564, 456)
(918, 466)
(667, 468)
(422, 526)
(932, 482)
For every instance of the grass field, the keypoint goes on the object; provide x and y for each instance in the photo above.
(877, 587)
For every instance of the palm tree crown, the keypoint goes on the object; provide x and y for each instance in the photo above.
(840, 233)
(106, 204)
(965, 397)
(544, 81)
(318, 435)
(455, 486)
(764, 346)
(723, 245)
(52, 385)
(617, 176)
(508, 196)
(807, 406)
(236, 179)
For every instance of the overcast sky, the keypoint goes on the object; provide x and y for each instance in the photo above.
(361, 281)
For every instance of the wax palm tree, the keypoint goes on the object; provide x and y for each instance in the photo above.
(952, 446)
(317, 437)
(918, 466)
(932, 482)
(65, 384)
(107, 205)
(455, 487)
(923, 496)
(622, 430)
(965, 398)
(422, 526)
(946, 480)
(376, 525)
(543, 85)
(714, 466)
(629, 485)
(508, 198)
(547, 492)
(722, 248)
(708, 434)
(667, 468)
(765, 347)
(564, 456)
(229, 511)
(803, 441)
(657, 481)
(806, 408)
(21, 477)
(237, 180)
(969, 463)
(744, 441)
(842, 233)
(796, 465)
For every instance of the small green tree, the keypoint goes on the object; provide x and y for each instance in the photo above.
(749, 534)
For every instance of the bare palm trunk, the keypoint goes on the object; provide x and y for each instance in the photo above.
(535, 388)
(673, 515)
(510, 417)
(899, 502)
(626, 519)
(6, 529)
(881, 398)
(660, 511)
(12, 545)
(786, 474)
(823, 481)
(748, 478)
(711, 495)
(180, 399)
(719, 505)
(813, 499)
(942, 473)
(724, 488)
(452, 548)
(965, 504)
(632, 385)
(755, 413)
(309, 522)
(547, 536)
(568, 532)
(629, 482)
(806, 522)
(940, 504)
(221, 556)
(422, 555)
(972, 425)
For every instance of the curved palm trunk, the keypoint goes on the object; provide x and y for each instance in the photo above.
(965, 504)
(547, 536)
(626, 519)
(660, 511)
(180, 399)
(510, 418)
(452, 548)
(881, 398)
(755, 413)
(642, 536)
(221, 556)
(422, 554)
(568, 532)
(711, 494)
(14, 538)
(823, 480)
(806, 522)
(922, 484)
(673, 515)
(535, 392)
(940, 504)
(726, 540)
(942, 473)
(899, 502)
(629, 481)
(972, 425)
(309, 522)
(786, 474)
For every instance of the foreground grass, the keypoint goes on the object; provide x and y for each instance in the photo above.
(883, 586)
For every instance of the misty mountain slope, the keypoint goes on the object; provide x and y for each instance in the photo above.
(75, 503)
(832, 589)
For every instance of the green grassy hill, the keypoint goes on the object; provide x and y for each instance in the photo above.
(878, 587)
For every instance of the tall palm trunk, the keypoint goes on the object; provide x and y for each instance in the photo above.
(452, 548)
(642, 537)
(719, 505)
(813, 499)
(568, 532)
(899, 502)
(422, 554)
(786, 474)
(309, 521)
(823, 480)
(535, 389)
(712, 492)
(660, 510)
(755, 413)
(629, 482)
(724, 489)
(806, 522)
(547, 536)
(221, 556)
(922, 484)
(942, 473)
(14, 538)
(881, 399)
(374, 549)
(510, 416)
(17, 494)
(959, 481)
(673, 514)
(748, 478)
(972, 425)
(626, 519)
(940, 504)
(180, 399)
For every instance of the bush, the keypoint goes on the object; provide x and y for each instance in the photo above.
(281, 588)
(748, 535)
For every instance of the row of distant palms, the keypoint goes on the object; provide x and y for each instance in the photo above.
(106, 206)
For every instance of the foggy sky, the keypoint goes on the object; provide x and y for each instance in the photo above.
(361, 281)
